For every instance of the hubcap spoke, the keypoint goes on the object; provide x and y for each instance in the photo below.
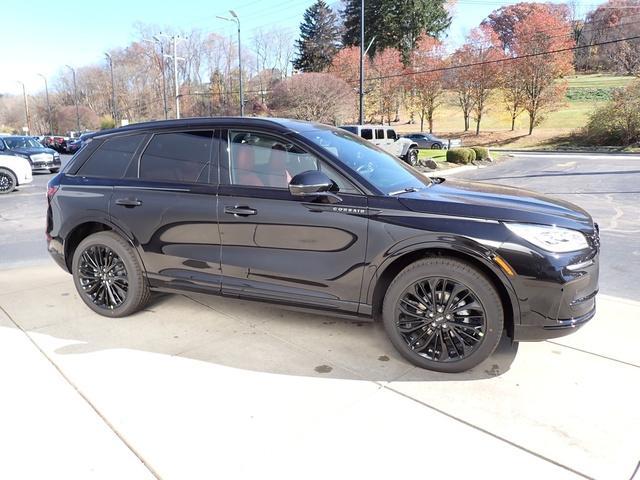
(103, 277)
(440, 319)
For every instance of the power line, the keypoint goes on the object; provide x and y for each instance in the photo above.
(502, 60)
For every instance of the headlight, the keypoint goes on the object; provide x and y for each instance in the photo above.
(552, 239)
(23, 155)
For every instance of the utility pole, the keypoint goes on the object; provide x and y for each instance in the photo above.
(75, 94)
(46, 92)
(236, 19)
(26, 107)
(114, 107)
(361, 93)
(175, 39)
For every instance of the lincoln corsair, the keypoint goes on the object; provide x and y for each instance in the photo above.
(315, 218)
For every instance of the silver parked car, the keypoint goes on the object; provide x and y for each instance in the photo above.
(428, 140)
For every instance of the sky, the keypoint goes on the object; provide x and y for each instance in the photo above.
(41, 36)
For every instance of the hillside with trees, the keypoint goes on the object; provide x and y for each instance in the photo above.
(527, 73)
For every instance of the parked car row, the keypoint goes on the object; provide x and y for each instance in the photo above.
(62, 144)
(37, 156)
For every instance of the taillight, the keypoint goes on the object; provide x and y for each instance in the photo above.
(51, 191)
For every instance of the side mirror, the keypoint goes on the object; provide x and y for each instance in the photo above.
(313, 183)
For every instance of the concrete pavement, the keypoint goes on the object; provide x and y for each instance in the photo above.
(206, 387)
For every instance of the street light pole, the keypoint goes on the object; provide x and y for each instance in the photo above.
(46, 92)
(164, 81)
(361, 93)
(75, 94)
(26, 107)
(237, 20)
(157, 40)
(175, 74)
(114, 107)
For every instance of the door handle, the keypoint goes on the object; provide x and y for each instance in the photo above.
(129, 202)
(240, 210)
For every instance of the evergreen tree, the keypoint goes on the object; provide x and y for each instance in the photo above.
(394, 23)
(319, 38)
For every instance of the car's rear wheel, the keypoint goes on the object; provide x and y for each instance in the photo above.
(8, 181)
(443, 314)
(436, 146)
(108, 275)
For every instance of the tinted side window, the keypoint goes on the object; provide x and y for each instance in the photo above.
(178, 157)
(112, 157)
(366, 133)
(351, 129)
(379, 133)
(260, 160)
(391, 135)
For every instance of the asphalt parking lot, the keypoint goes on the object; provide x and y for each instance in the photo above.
(205, 387)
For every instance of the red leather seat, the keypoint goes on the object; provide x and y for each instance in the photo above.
(244, 166)
(278, 176)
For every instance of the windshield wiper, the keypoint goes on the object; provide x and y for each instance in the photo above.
(404, 190)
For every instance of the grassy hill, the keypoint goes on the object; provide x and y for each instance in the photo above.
(585, 94)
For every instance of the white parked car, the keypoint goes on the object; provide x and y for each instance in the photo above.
(386, 138)
(14, 171)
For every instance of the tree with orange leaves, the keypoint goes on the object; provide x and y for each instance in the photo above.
(486, 71)
(385, 65)
(541, 33)
(424, 90)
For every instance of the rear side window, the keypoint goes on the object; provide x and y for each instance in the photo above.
(379, 133)
(367, 134)
(112, 157)
(178, 157)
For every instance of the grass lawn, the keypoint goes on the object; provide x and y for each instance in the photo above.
(495, 128)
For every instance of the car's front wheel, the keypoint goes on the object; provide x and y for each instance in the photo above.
(54, 170)
(436, 146)
(443, 314)
(108, 275)
(8, 181)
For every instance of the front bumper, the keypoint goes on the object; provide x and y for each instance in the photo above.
(556, 293)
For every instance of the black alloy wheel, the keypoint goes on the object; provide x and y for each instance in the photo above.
(7, 181)
(443, 314)
(103, 277)
(441, 319)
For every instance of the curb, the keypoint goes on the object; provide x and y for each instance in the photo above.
(452, 171)
(560, 152)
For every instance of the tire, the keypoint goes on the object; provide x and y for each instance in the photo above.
(436, 146)
(421, 327)
(54, 170)
(412, 157)
(98, 299)
(8, 181)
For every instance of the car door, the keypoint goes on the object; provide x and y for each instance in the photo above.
(284, 248)
(167, 202)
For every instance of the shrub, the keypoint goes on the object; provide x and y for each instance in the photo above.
(617, 122)
(106, 122)
(461, 156)
(482, 153)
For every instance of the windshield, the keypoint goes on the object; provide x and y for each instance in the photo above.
(21, 142)
(384, 171)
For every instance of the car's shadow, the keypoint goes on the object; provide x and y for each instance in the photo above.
(250, 335)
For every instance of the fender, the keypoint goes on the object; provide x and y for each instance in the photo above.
(457, 244)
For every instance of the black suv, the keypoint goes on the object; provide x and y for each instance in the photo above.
(313, 217)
